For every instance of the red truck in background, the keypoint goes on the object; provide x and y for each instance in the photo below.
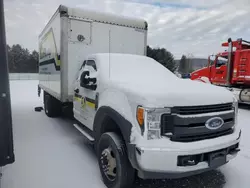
(229, 69)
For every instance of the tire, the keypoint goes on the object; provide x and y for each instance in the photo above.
(52, 106)
(124, 172)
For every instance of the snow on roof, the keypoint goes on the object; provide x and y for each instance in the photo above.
(138, 67)
(122, 61)
(106, 17)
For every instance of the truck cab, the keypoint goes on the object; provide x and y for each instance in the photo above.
(216, 69)
(229, 68)
(137, 119)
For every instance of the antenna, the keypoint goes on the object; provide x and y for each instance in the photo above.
(109, 53)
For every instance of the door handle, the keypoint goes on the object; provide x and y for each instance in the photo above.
(76, 90)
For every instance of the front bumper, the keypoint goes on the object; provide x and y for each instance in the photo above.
(164, 162)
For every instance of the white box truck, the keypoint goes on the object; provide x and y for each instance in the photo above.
(141, 118)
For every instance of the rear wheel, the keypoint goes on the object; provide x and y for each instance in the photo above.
(115, 167)
(52, 106)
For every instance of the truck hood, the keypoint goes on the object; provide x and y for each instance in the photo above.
(177, 92)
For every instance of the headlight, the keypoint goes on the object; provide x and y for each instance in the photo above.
(152, 121)
(235, 107)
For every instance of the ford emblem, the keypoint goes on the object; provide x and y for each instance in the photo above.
(214, 123)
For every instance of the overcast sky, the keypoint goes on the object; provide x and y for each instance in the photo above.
(195, 27)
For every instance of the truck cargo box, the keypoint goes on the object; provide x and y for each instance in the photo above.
(72, 34)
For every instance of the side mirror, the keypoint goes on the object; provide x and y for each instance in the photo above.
(84, 81)
(93, 80)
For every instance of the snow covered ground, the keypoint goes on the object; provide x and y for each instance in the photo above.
(51, 153)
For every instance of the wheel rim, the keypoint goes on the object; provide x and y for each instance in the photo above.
(108, 162)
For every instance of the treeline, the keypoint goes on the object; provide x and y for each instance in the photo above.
(21, 60)
(163, 56)
(185, 66)
(188, 64)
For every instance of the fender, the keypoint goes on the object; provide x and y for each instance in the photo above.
(101, 115)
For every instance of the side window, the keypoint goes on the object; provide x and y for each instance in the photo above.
(80, 70)
(83, 64)
(221, 61)
(92, 64)
(212, 60)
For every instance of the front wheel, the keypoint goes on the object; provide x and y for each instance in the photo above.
(115, 167)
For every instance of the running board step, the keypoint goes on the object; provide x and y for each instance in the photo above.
(84, 132)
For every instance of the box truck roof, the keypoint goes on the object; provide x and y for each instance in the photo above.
(107, 18)
(102, 17)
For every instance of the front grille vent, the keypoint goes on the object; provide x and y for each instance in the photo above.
(191, 110)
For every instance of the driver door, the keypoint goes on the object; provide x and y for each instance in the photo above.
(89, 95)
(211, 67)
(220, 71)
(78, 98)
